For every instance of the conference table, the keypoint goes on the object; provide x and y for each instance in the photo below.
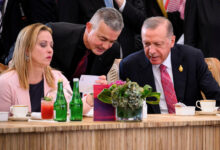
(156, 132)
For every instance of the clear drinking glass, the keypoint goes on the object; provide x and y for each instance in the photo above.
(46, 109)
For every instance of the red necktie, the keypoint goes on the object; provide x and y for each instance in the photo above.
(82, 65)
(168, 89)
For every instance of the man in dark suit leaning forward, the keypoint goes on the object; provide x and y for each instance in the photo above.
(185, 75)
(74, 42)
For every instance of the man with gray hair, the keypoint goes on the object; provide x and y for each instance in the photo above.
(111, 18)
(178, 72)
(87, 49)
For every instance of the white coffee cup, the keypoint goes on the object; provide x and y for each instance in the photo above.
(19, 110)
(206, 105)
(185, 110)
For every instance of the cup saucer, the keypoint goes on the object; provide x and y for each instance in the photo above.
(18, 118)
(206, 113)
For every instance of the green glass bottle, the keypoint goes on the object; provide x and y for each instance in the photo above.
(76, 105)
(60, 105)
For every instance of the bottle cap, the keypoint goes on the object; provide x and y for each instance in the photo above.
(60, 80)
(75, 79)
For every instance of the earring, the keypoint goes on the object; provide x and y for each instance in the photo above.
(27, 58)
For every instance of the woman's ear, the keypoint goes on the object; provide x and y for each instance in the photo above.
(27, 57)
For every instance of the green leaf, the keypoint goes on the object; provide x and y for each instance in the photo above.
(155, 95)
(147, 91)
(47, 98)
(105, 96)
(129, 94)
(113, 87)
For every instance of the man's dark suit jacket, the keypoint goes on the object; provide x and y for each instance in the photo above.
(202, 26)
(194, 78)
(66, 37)
(81, 11)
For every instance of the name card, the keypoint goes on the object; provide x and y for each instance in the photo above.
(102, 111)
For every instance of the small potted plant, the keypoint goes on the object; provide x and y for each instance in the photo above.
(128, 98)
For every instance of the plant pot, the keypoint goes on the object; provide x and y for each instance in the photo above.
(127, 114)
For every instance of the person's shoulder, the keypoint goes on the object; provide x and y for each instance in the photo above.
(10, 77)
(134, 56)
(187, 49)
(56, 73)
(64, 26)
(9, 74)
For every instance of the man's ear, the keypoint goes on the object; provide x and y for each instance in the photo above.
(88, 27)
(173, 38)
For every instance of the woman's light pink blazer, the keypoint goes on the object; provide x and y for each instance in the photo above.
(12, 94)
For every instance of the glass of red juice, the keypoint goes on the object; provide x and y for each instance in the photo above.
(46, 109)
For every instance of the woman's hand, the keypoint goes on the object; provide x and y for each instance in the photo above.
(90, 100)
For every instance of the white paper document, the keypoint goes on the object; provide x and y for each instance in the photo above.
(86, 83)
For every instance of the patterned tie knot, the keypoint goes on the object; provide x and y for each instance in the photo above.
(87, 53)
(163, 68)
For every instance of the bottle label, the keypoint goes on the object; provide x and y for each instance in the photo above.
(76, 112)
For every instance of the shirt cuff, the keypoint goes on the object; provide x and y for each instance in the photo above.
(122, 6)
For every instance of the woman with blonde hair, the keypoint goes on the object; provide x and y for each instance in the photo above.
(30, 76)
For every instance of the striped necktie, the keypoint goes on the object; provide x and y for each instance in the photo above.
(172, 5)
(168, 89)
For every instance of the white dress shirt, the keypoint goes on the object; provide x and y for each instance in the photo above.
(122, 6)
(158, 84)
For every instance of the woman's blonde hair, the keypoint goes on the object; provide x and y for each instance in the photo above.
(24, 46)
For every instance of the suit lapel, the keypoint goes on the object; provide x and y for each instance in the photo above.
(145, 74)
(179, 75)
(146, 77)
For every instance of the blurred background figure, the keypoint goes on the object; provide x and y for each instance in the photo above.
(17, 14)
(171, 9)
(81, 11)
(202, 26)
(30, 77)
